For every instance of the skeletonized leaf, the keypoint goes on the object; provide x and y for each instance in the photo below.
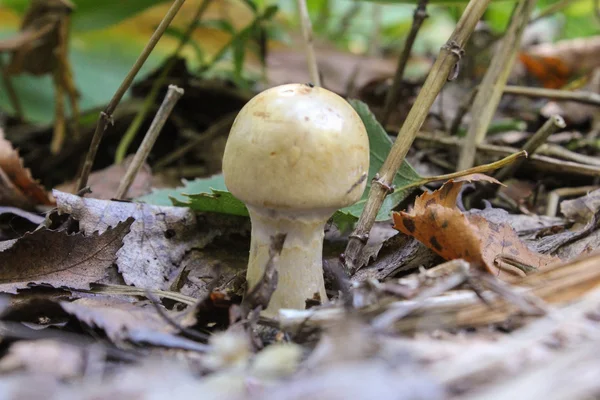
(440, 225)
(59, 259)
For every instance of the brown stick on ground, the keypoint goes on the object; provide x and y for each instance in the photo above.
(445, 67)
(392, 96)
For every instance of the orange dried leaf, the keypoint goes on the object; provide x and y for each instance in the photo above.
(440, 225)
(551, 72)
(19, 179)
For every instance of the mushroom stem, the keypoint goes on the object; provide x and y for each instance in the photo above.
(300, 265)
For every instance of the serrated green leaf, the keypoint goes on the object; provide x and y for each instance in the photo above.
(380, 145)
(220, 201)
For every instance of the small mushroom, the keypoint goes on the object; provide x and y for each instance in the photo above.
(295, 154)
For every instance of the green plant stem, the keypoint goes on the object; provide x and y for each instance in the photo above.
(106, 116)
(173, 95)
(391, 99)
(307, 34)
(444, 68)
(551, 126)
(550, 10)
(223, 50)
(555, 94)
(158, 83)
(491, 88)
(480, 169)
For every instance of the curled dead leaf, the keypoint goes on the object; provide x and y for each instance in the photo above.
(437, 222)
(17, 186)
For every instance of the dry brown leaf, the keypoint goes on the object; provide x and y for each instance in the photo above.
(59, 259)
(441, 226)
(125, 321)
(17, 186)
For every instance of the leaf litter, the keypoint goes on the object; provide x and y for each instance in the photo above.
(158, 240)
(405, 326)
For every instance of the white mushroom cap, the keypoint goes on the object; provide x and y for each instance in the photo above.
(297, 147)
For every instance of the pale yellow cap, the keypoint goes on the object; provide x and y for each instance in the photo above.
(297, 147)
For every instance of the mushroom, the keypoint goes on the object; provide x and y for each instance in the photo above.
(295, 154)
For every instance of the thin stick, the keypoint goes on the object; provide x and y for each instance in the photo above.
(531, 146)
(463, 108)
(551, 9)
(173, 95)
(215, 129)
(444, 68)
(491, 88)
(479, 169)
(537, 161)
(580, 97)
(307, 33)
(391, 99)
(157, 85)
(106, 115)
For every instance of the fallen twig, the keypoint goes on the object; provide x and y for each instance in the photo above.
(555, 94)
(551, 126)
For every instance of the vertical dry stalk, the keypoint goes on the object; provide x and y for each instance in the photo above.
(444, 68)
(307, 33)
(106, 115)
(173, 95)
(491, 88)
(392, 96)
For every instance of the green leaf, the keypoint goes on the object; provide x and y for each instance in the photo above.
(202, 194)
(210, 194)
(220, 201)
(380, 145)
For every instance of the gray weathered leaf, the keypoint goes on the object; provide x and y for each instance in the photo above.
(159, 237)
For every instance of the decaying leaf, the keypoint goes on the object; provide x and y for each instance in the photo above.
(59, 259)
(124, 321)
(441, 226)
(582, 209)
(158, 240)
(17, 186)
